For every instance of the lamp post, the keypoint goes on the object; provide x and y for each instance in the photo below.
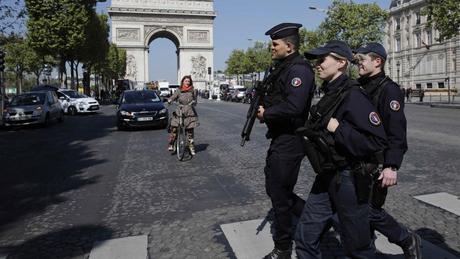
(397, 70)
(447, 80)
(318, 9)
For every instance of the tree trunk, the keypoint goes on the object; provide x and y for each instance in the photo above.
(72, 75)
(20, 84)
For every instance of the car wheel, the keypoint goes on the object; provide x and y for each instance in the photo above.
(120, 126)
(61, 116)
(46, 122)
(72, 110)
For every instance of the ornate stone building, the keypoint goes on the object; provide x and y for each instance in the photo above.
(415, 58)
(187, 23)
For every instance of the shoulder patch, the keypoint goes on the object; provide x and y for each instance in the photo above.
(374, 119)
(296, 82)
(395, 106)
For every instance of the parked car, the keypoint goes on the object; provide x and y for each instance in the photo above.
(238, 94)
(74, 102)
(140, 109)
(38, 107)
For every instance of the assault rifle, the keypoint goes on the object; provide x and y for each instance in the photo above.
(260, 89)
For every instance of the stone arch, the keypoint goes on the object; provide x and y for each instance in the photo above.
(187, 23)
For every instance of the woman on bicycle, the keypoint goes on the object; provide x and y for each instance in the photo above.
(185, 95)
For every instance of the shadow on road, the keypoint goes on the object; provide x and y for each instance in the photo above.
(437, 239)
(65, 243)
(201, 147)
(38, 165)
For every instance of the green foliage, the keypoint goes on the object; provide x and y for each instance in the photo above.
(236, 62)
(353, 23)
(445, 16)
(115, 63)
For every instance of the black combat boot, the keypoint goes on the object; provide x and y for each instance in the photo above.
(279, 254)
(412, 247)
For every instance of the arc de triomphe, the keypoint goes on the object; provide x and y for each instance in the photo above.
(187, 23)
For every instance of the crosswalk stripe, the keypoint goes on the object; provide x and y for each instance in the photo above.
(134, 247)
(252, 239)
(442, 200)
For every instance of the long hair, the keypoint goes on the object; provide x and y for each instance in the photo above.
(185, 77)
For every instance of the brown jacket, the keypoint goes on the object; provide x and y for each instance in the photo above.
(191, 117)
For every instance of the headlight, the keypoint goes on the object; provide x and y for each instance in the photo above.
(125, 113)
(81, 104)
(163, 111)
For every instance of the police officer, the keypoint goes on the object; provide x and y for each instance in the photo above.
(345, 132)
(389, 101)
(286, 105)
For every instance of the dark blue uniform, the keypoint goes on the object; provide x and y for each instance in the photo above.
(286, 108)
(359, 135)
(389, 101)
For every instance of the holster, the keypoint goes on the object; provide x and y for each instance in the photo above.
(362, 173)
(379, 193)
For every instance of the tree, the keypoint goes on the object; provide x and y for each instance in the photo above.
(444, 15)
(235, 63)
(59, 27)
(15, 61)
(353, 23)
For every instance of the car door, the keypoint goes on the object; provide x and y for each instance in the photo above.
(53, 104)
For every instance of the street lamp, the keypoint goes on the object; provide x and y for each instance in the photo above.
(317, 8)
(397, 70)
(447, 80)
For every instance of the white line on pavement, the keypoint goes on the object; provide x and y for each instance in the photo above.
(252, 239)
(442, 200)
(121, 248)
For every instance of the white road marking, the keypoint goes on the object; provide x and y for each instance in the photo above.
(249, 240)
(442, 200)
(121, 248)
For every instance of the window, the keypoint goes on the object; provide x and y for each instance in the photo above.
(398, 23)
(417, 18)
(429, 85)
(429, 37)
(418, 40)
(440, 84)
(418, 86)
(398, 43)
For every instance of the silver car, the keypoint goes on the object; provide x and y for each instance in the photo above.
(39, 107)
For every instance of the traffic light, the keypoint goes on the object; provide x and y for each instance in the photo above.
(2, 61)
(209, 70)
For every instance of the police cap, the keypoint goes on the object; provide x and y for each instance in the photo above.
(283, 30)
(335, 46)
(374, 47)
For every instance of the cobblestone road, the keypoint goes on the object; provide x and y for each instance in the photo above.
(69, 185)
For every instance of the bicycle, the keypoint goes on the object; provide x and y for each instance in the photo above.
(181, 142)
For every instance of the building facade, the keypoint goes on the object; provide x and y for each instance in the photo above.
(415, 58)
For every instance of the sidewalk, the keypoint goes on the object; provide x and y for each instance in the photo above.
(437, 101)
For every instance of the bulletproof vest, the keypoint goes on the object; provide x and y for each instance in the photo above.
(276, 89)
(316, 126)
(376, 91)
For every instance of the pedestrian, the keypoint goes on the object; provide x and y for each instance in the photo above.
(389, 101)
(344, 133)
(403, 91)
(422, 94)
(186, 95)
(409, 94)
(285, 109)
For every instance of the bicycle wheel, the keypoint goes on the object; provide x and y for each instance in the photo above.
(181, 142)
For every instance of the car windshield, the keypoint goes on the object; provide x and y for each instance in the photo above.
(28, 99)
(74, 94)
(140, 97)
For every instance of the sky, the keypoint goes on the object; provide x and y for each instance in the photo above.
(238, 24)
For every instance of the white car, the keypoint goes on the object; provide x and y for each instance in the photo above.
(74, 102)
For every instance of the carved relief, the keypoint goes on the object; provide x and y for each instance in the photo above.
(198, 36)
(199, 67)
(131, 69)
(177, 29)
(127, 34)
(149, 29)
